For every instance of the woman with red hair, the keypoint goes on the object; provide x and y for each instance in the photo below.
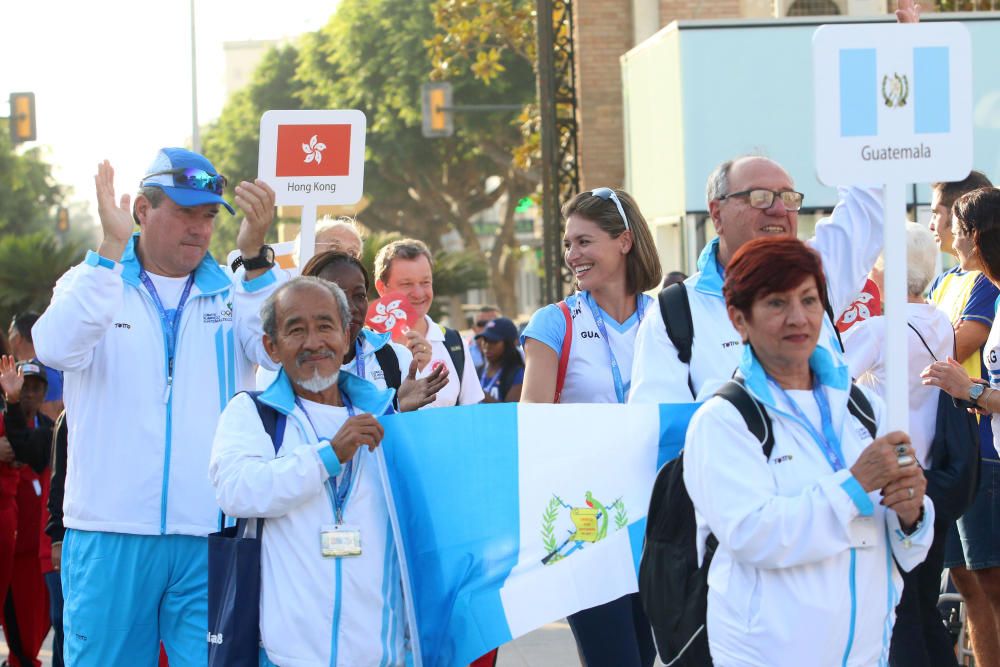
(811, 534)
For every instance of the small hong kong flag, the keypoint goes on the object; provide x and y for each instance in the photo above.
(313, 150)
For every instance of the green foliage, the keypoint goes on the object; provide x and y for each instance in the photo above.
(28, 193)
(232, 140)
(549, 517)
(30, 264)
(621, 515)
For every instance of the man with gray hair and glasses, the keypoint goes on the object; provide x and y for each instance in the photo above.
(750, 197)
(330, 577)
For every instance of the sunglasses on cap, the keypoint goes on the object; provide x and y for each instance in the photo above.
(193, 179)
(608, 193)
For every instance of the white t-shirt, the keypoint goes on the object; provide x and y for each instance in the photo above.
(169, 290)
(468, 391)
(589, 377)
(864, 345)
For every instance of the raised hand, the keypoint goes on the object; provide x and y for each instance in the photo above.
(116, 216)
(358, 431)
(11, 379)
(419, 348)
(256, 200)
(908, 12)
(414, 394)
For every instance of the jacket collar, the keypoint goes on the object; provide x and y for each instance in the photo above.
(208, 276)
(369, 398)
(372, 340)
(710, 274)
(828, 370)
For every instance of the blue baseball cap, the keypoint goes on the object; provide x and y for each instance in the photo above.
(499, 329)
(188, 178)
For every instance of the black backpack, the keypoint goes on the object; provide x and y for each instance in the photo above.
(673, 586)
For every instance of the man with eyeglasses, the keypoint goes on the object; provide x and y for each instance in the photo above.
(154, 338)
(748, 198)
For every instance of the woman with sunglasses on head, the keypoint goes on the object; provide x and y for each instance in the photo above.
(610, 250)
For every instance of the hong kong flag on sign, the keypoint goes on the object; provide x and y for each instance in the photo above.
(313, 150)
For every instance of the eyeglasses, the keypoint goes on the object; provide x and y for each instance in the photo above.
(193, 179)
(760, 198)
(608, 193)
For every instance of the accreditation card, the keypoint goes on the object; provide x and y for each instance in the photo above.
(339, 541)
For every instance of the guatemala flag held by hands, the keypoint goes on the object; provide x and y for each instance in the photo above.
(512, 516)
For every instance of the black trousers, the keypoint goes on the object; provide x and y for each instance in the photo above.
(616, 634)
(919, 638)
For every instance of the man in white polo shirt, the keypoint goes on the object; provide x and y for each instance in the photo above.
(406, 266)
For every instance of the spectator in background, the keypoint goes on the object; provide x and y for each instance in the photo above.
(340, 234)
(54, 529)
(919, 637)
(968, 298)
(26, 610)
(482, 318)
(407, 267)
(503, 373)
(23, 348)
(674, 277)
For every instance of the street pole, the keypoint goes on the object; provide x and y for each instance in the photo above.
(195, 137)
(551, 287)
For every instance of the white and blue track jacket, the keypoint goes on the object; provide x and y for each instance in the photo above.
(314, 611)
(849, 242)
(138, 448)
(806, 568)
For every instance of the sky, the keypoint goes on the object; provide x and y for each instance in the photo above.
(112, 78)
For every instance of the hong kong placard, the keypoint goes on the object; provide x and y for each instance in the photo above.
(893, 103)
(314, 156)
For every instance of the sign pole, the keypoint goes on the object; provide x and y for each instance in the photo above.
(307, 234)
(894, 303)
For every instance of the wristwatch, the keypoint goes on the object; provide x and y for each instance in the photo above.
(975, 391)
(265, 260)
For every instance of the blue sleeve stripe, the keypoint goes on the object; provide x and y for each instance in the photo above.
(329, 459)
(95, 259)
(977, 318)
(260, 282)
(852, 487)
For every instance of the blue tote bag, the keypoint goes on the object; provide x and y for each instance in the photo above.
(234, 576)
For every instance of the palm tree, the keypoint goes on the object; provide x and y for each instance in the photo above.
(30, 264)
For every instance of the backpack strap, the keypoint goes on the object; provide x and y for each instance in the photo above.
(859, 406)
(389, 363)
(753, 413)
(456, 350)
(567, 344)
(273, 421)
(833, 321)
(675, 308)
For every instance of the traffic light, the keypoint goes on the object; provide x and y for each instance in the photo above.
(22, 118)
(62, 220)
(437, 115)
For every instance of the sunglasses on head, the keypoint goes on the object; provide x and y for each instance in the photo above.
(193, 179)
(608, 193)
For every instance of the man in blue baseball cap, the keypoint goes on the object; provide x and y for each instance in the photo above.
(153, 338)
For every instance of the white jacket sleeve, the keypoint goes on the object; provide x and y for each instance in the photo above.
(850, 241)
(729, 482)
(84, 304)
(863, 345)
(658, 376)
(911, 550)
(249, 481)
(249, 297)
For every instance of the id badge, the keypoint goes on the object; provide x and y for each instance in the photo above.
(340, 541)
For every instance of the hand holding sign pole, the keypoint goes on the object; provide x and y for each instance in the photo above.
(893, 105)
(313, 158)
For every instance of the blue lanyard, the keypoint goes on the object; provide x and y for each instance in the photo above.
(169, 328)
(339, 496)
(616, 374)
(359, 361)
(829, 442)
(492, 381)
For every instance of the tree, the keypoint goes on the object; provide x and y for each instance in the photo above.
(232, 140)
(30, 264)
(28, 193)
(372, 56)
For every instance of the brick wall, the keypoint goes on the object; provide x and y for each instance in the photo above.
(672, 10)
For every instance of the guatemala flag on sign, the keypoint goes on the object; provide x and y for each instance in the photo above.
(872, 86)
(512, 516)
